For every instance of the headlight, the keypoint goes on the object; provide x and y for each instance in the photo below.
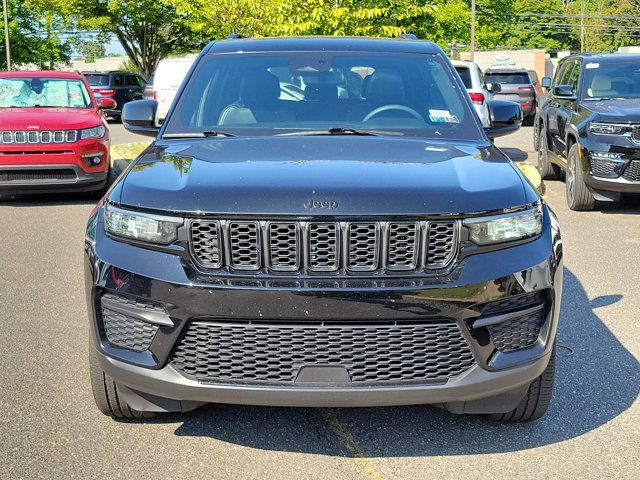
(607, 128)
(505, 228)
(94, 132)
(141, 226)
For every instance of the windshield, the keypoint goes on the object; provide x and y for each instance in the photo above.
(515, 78)
(97, 80)
(270, 94)
(43, 92)
(465, 75)
(612, 80)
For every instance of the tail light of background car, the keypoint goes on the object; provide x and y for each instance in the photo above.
(526, 105)
(106, 92)
(526, 89)
(476, 97)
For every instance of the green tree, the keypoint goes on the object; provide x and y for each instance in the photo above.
(541, 29)
(35, 36)
(92, 49)
(149, 30)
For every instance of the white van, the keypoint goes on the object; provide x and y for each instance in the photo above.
(167, 80)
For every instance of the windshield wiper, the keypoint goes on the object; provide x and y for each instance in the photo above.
(599, 99)
(205, 134)
(365, 132)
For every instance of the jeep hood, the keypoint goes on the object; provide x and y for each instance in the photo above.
(322, 175)
(620, 111)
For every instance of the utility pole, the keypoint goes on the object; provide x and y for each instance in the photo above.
(6, 33)
(472, 48)
(582, 29)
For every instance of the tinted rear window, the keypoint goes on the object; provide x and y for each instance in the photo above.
(97, 80)
(508, 78)
(275, 93)
(465, 75)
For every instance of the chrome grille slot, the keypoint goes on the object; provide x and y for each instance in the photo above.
(402, 253)
(363, 246)
(205, 242)
(284, 246)
(441, 243)
(245, 245)
(38, 136)
(323, 247)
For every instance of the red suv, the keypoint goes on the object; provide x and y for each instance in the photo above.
(53, 136)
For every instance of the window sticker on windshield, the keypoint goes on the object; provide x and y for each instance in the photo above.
(592, 65)
(442, 116)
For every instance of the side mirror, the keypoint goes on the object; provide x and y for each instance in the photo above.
(564, 91)
(505, 118)
(495, 87)
(546, 82)
(106, 103)
(139, 116)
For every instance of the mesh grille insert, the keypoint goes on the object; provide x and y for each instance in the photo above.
(284, 246)
(323, 246)
(363, 246)
(601, 167)
(205, 240)
(518, 333)
(245, 245)
(125, 331)
(38, 175)
(441, 243)
(632, 172)
(403, 246)
(393, 353)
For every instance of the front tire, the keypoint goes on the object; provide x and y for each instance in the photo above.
(537, 399)
(579, 197)
(548, 171)
(106, 394)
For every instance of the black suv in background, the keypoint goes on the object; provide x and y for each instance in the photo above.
(515, 85)
(590, 127)
(120, 86)
(362, 243)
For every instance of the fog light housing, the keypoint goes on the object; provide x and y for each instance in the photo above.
(93, 159)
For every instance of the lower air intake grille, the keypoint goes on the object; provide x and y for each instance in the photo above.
(632, 172)
(370, 353)
(601, 167)
(124, 331)
(518, 333)
(52, 174)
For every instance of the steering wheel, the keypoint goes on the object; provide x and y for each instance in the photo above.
(385, 108)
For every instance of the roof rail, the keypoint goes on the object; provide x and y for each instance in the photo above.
(234, 36)
(408, 36)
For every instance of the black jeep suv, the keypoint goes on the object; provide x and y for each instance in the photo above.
(590, 127)
(363, 243)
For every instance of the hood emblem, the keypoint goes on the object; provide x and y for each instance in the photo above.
(321, 204)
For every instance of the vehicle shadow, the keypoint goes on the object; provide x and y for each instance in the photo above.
(48, 200)
(597, 380)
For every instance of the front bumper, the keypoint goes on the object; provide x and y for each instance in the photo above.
(43, 168)
(610, 178)
(496, 381)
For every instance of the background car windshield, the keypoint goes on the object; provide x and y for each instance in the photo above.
(43, 92)
(97, 80)
(268, 94)
(612, 80)
(515, 78)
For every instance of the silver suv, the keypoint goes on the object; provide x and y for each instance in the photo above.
(473, 79)
(515, 85)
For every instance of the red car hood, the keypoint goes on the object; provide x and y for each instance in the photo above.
(34, 118)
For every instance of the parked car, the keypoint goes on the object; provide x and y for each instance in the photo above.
(167, 80)
(590, 127)
(53, 136)
(365, 249)
(473, 80)
(122, 87)
(148, 89)
(515, 85)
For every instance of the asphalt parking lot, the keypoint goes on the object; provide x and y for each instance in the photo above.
(50, 428)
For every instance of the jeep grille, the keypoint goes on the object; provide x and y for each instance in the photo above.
(291, 246)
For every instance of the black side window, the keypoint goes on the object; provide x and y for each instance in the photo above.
(574, 76)
(141, 81)
(118, 80)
